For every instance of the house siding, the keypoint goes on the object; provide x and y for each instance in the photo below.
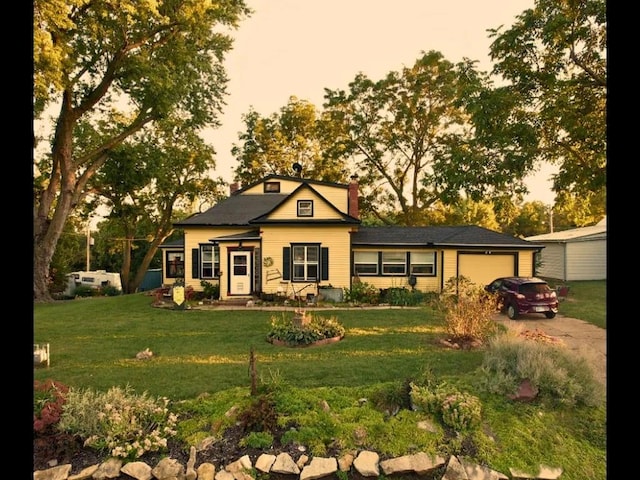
(575, 254)
(526, 263)
(472, 251)
(289, 210)
(588, 260)
(335, 238)
(575, 260)
(193, 238)
(449, 265)
(553, 261)
(337, 196)
(423, 283)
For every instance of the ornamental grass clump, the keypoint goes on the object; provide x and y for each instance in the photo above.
(559, 374)
(303, 329)
(468, 310)
(119, 422)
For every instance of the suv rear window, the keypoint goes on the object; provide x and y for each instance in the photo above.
(534, 288)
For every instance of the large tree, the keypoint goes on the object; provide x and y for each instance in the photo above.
(296, 134)
(108, 68)
(554, 60)
(413, 140)
(160, 169)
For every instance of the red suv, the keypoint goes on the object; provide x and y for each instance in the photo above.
(519, 295)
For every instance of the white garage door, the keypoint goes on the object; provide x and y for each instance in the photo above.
(481, 268)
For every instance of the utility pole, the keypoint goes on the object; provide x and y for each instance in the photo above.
(550, 218)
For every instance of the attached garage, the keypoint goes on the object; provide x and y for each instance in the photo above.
(481, 268)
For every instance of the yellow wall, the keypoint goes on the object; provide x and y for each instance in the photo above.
(526, 263)
(338, 196)
(336, 238)
(423, 283)
(196, 236)
(289, 210)
(448, 264)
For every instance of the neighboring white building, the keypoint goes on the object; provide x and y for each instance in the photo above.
(94, 279)
(576, 254)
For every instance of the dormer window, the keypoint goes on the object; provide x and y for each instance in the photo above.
(305, 208)
(271, 187)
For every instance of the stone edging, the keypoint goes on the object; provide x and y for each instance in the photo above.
(365, 463)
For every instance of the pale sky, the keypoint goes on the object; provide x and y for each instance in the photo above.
(300, 47)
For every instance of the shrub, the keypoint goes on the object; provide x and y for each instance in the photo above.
(285, 330)
(110, 291)
(362, 292)
(461, 411)
(49, 398)
(210, 290)
(457, 410)
(118, 422)
(85, 291)
(402, 296)
(390, 398)
(558, 373)
(468, 310)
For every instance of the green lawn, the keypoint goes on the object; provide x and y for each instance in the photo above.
(201, 360)
(94, 342)
(587, 300)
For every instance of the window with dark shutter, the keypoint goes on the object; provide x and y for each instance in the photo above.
(286, 260)
(325, 263)
(195, 273)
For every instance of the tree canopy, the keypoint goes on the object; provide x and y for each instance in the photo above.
(412, 138)
(108, 68)
(296, 134)
(554, 58)
(160, 169)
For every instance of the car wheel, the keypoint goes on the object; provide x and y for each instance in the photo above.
(549, 314)
(512, 312)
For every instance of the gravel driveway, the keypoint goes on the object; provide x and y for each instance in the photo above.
(582, 337)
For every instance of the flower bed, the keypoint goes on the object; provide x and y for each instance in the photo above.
(304, 330)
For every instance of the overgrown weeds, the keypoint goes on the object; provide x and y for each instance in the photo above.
(468, 310)
(118, 422)
(306, 330)
(557, 373)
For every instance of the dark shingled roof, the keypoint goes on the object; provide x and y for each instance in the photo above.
(179, 242)
(465, 235)
(235, 210)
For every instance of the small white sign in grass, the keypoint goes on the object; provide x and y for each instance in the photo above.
(41, 354)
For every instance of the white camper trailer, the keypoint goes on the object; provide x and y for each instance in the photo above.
(96, 279)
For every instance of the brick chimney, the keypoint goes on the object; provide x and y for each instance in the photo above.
(233, 188)
(354, 210)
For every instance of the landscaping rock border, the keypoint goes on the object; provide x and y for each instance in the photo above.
(365, 463)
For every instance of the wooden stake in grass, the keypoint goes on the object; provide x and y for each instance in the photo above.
(252, 372)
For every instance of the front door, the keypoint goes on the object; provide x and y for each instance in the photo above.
(240, 278)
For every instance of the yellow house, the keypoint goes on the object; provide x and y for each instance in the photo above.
(290, 236)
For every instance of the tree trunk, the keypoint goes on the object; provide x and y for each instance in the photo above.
(53, 204)
(161, 235)
(45, 239)
(125, 271)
